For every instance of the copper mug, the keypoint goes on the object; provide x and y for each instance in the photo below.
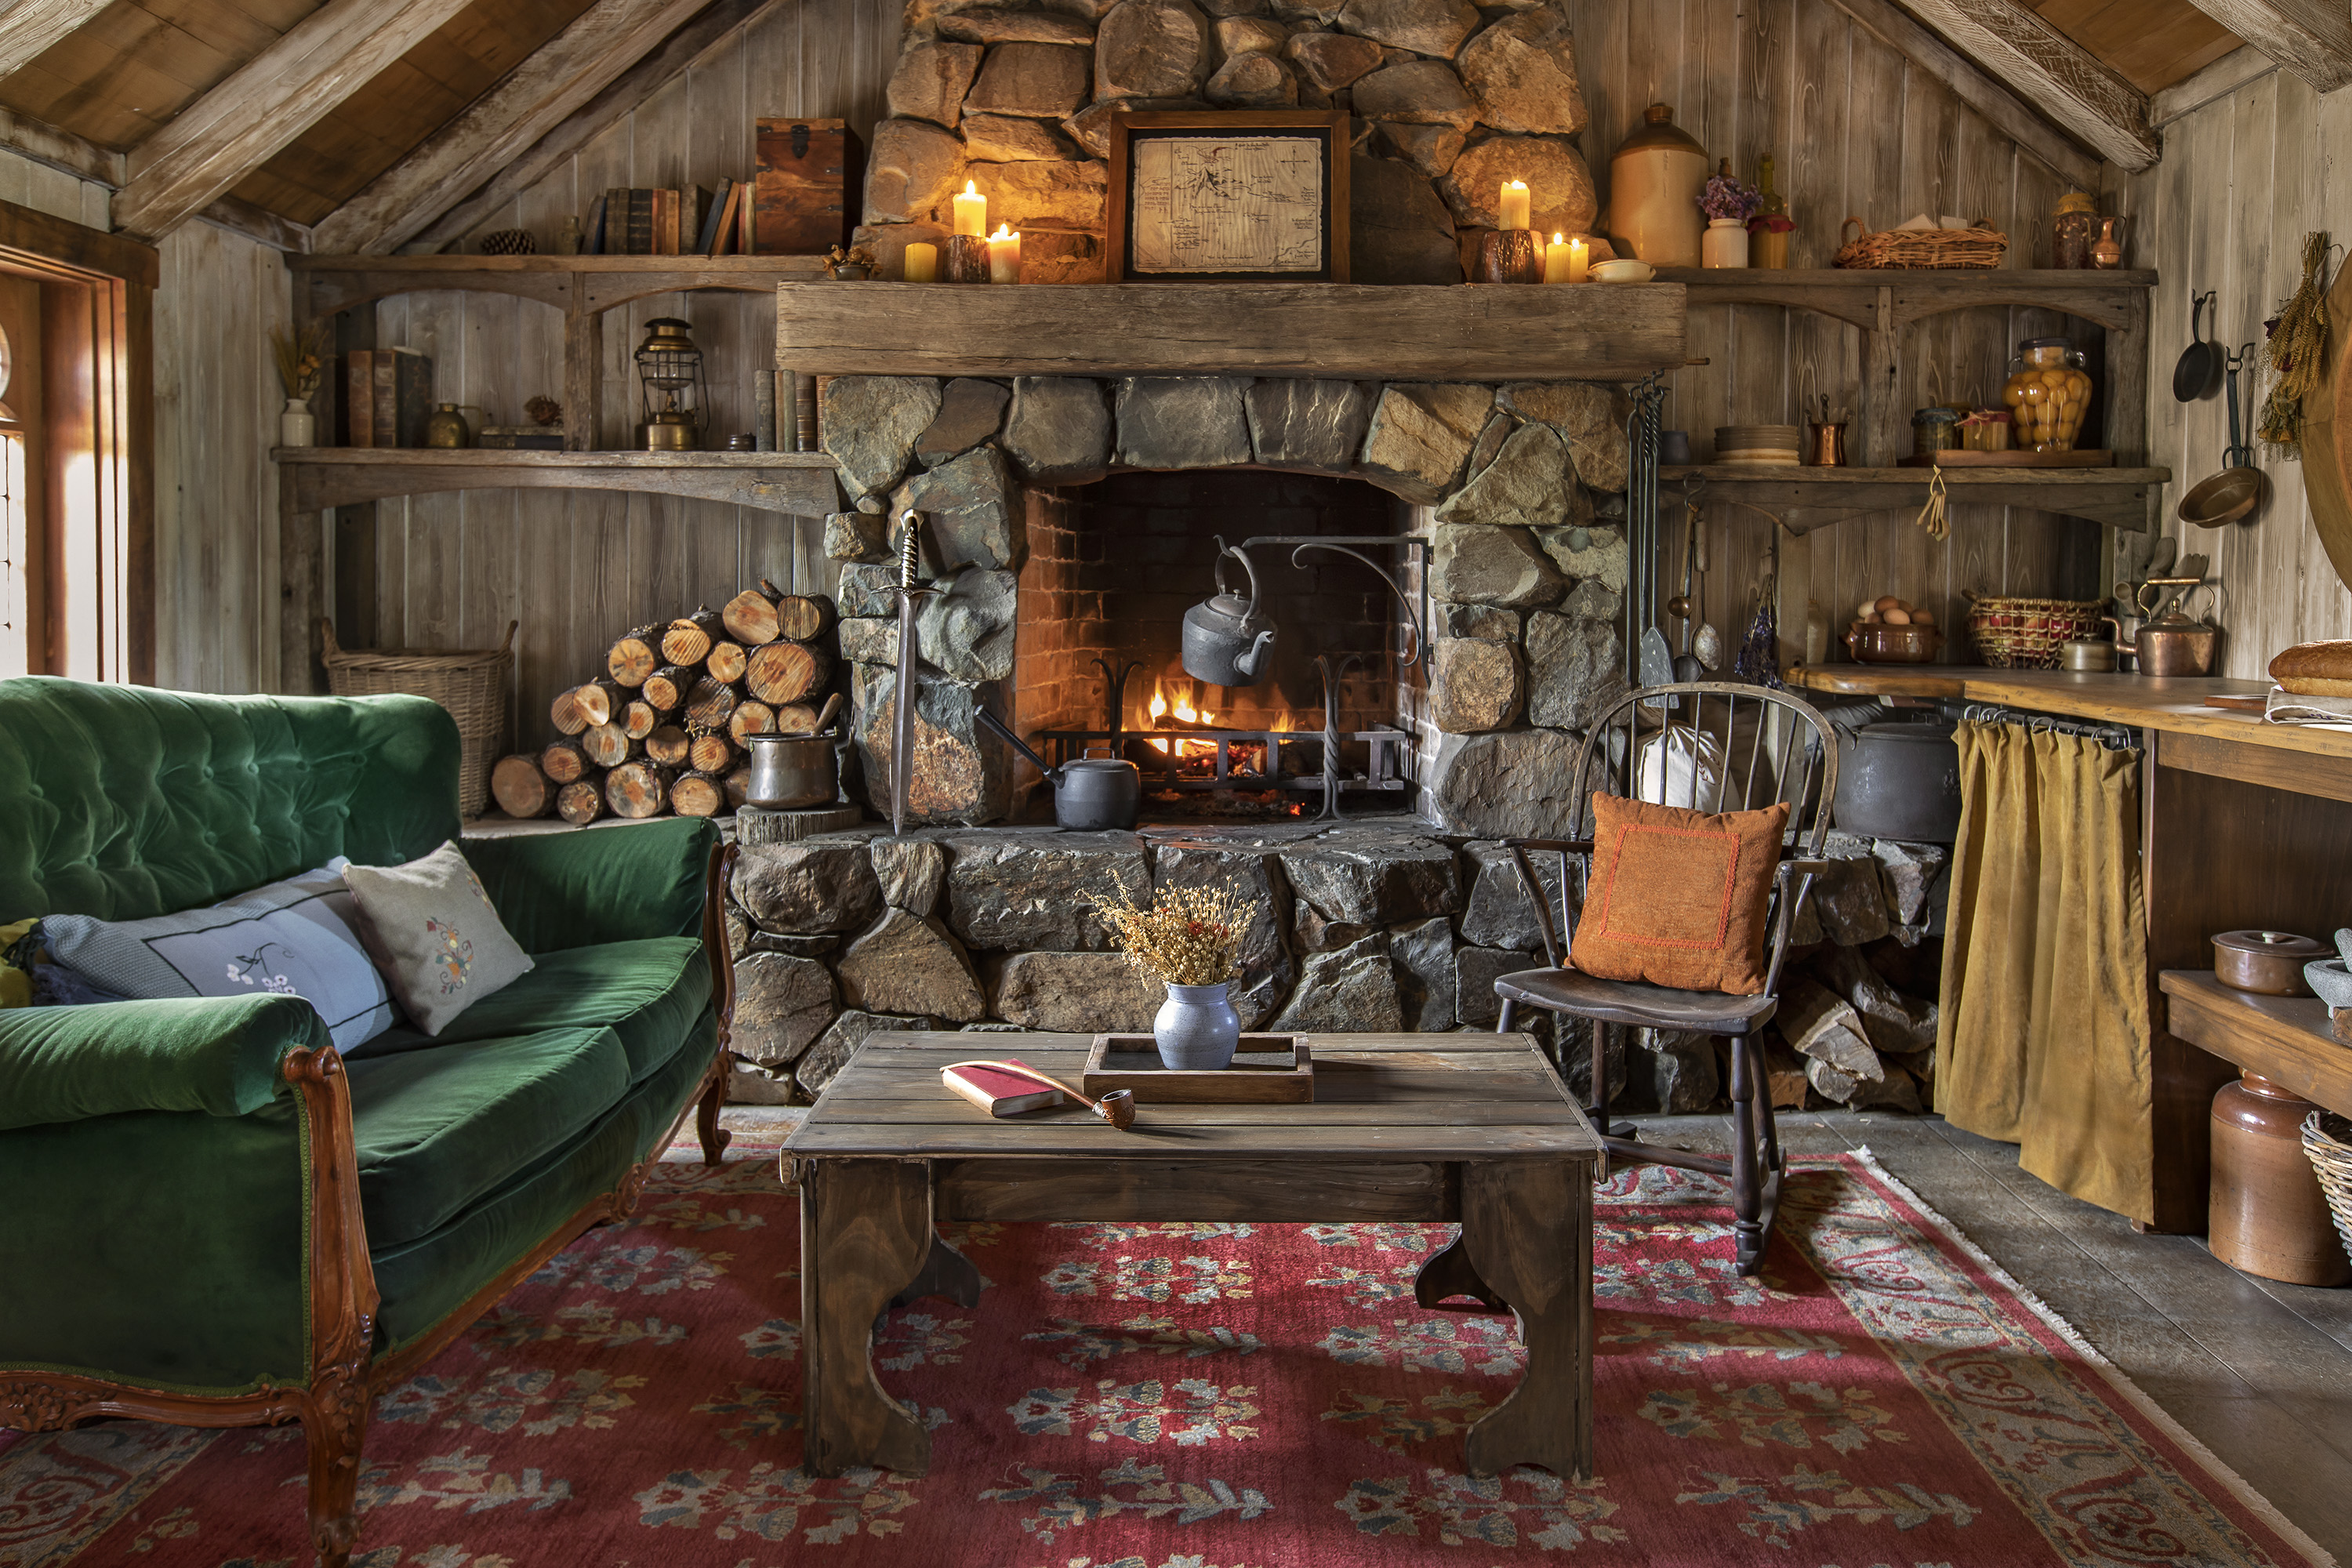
(1828, 445)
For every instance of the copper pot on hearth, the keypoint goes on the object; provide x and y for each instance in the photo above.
(1227, 642)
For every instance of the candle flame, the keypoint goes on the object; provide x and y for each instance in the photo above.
(970, 189)
(1004, 231)
(1519, 185)
(1556, 239)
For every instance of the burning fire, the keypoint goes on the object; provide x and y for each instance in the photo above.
(1177, 705)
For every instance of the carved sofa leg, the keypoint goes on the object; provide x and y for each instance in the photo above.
(334, 1421)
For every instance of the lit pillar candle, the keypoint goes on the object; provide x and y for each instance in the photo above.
(922, 263)
(1004, 256)
(970, 211)
(1516, 202)
(1555, 256)
(1580, 255)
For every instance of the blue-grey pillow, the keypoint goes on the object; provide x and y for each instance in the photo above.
(298, 938)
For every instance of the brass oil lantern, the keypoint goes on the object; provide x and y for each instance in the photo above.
(669, 374)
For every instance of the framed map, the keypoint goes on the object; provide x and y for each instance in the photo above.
(1201, 196)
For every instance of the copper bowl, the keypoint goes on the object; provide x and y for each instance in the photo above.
(1877, 643)
(2268, 962)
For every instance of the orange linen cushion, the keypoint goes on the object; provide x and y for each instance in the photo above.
(1677, 897)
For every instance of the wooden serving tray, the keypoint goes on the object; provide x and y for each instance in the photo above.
(1282, 1074)
(2015, 457)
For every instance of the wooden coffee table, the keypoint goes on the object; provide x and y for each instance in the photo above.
(1425, 1128)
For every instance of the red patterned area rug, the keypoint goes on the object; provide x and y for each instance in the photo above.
(1216, 1396)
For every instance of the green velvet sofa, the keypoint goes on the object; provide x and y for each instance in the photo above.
(210, 1216)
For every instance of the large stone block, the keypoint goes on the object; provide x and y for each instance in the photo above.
(818, 885)
(1060, 256)
(1419, 93)
(912, 169)
(1027, 889)
(929, 82)
(1240, 34)
(1309, 424)
(1353, 990)
(1059, 430)
(1511, 783)
(855, 536)
(971, 411)
(1049, 195)
(1527, 486)
(1522, 71)
(1421, 435)
(781, 1005)
(1588, 554)
(1471, 563)
(1038, 81)
(971, 513)
(1076, 992)
(1374, 877)
(1009, 139)
(1475, 684)
(1253, 80)
(1590, 417)
(867, 589)
(1423, 958)
(965, 633)
(960, 775)
(870, 423)
(1555, 172)
(1332, 60)
(1576, 669)
(825, 1059)
(907, 964)
(1673, 1071)
(1003, 24)
(1264, 969)
(1425, 26)
(1501, 911)
(1399, 232)
(1485, 622)
(1475, 972)
(910, 872)
(1151, 48)
(1090, 127)
(1181, 422)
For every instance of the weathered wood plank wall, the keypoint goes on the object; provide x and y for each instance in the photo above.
(2242, 179)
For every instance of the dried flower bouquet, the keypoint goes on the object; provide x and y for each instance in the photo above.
(1190, 936)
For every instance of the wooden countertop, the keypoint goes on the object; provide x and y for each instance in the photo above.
(2175, 704)
(2283, 1038)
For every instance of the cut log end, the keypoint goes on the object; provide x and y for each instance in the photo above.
(608, 745)
(710, 704)
(785, 672)
(697, 795)
(726, 660)
(669, 746)
(802, 617)
(637, 790)
(751, 718)
(521, 788)
(711, 753)
(750, 616)
(565, 761)
(632, 659)
(564, 713)
(638, 719)
(580, 803)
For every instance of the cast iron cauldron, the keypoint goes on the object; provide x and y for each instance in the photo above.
(1899, 781)
(1090, 793)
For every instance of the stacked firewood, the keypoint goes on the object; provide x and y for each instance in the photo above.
(663, 728)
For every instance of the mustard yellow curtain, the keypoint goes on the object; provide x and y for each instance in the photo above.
(2044, 1035)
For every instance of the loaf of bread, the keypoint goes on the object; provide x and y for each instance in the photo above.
(2314, 670)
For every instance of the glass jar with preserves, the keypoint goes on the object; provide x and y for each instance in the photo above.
(1986, 430)
(2047, 392)
(1934, 430)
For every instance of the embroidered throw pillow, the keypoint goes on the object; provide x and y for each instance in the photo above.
(434, 935)
(1677, 897)
(299, 937)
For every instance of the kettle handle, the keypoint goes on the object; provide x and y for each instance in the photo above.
(1248, 570)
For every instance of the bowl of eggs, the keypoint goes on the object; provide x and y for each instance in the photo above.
(1887, 630)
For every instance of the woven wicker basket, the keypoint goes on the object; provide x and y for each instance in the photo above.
(2024, 633)
(470, 683)
(1943, 247)
(2327, 1139)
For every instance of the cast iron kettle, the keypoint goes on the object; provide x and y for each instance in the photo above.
(1090, 793)
(1226, 641)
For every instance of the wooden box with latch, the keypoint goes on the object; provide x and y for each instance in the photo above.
(806, 193)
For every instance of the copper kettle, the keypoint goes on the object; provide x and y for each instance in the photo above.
(2176, 644)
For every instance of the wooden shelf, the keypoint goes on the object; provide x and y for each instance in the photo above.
(2110, 299)
(325, 284)
(2282, 1038)
(799, 483)
(1805, 498)
(1336, 331)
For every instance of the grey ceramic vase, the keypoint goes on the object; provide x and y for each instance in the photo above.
(1197, 1029)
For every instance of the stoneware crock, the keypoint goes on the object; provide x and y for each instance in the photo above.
(1197, 1029)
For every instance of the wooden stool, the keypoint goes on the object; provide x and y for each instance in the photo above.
(2268, 1216)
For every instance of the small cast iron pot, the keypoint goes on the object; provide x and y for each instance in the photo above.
(1899, 781)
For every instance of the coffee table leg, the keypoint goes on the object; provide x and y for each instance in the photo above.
(1447, 1273)
(865, 1230)
(947, 1274)
(1528, 1227)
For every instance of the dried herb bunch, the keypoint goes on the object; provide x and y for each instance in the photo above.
(301, 356)
(1190, 936)
(2298, 344)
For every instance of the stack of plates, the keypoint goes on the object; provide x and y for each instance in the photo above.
(1757, 443)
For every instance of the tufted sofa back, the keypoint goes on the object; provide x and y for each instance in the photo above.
(124, 802)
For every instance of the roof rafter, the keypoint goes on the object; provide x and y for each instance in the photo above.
(530, 102)
(271, 99)
(2000, 106)
(2313, 38)
(2051, 71)
(30, 26)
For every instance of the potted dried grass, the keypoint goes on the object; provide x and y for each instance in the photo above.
(1189, 940)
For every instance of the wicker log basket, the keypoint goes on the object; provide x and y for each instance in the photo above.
(470, 683)
(2024, 633)
(1937, 247)
(2327, 1139)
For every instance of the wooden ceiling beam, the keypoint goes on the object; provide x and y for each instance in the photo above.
(2313, 38)
(2001, 108)
(29, 28)
(549, 86)
(46, 143)
(441, 217)
(238, 215)
(2051, 71)
(271, 99)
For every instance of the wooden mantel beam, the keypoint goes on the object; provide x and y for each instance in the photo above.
(2313, 38)
(2051, 71)
(30, 26)
(532, 99)
(275, 97)
(684, 50)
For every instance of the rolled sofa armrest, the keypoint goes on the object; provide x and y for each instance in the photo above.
(558, 891)
(219, 1055)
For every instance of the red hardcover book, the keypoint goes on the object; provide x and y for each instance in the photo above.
(1000, 1093)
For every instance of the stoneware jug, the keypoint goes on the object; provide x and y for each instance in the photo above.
(1226, 641)
(1197, 1029)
